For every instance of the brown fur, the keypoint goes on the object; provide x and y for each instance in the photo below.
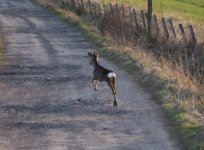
(101, 74)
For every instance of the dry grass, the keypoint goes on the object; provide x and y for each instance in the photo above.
(175, 91)
(184, 88)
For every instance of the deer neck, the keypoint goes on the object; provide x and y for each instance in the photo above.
(95, 64)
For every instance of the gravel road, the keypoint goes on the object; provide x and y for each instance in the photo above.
(46, 98)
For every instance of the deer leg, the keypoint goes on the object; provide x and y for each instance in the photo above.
(112, 86)
(113, 81)
(95, 84)
(95, 87)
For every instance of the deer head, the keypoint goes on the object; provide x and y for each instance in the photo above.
(93, 58)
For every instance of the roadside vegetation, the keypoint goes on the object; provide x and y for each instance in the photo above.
(180, 95)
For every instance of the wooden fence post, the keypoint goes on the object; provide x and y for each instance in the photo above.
(118, 20)
(143, 18)
(156, 23)
(111, 8)
(135, 19)
(73, 4)
(99, 9)
(112, 21)
(95, 8)
(79, 5)
(82, 4)
(104, 9)
(165, 27)
(181, 29)
(149, 20)
(146, 16)
(130, 10)
(89, 4)
(192, 34)
(123, 27)
(172, 27)
(123, 13)
(117, 9)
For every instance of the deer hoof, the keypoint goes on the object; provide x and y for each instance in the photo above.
(115, 104)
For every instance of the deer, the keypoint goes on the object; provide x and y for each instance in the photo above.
(100, 73)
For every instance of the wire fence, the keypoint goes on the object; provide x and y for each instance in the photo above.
(128, 25)
(123, 18)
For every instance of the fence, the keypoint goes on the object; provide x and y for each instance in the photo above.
(119, 21)
(126, 24)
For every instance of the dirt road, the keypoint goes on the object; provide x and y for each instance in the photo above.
(46, 98)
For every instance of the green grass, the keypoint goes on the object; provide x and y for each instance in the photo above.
(191, 11)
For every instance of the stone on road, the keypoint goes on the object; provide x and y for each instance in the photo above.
(47, 101)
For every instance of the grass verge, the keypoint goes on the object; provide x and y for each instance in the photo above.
(168, 85)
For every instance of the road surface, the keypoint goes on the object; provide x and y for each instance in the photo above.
(46, 98)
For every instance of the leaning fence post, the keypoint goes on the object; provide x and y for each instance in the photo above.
(112, 21)
(156, 23)
(135, 18)
(165, 27)
(89, 3)
(73, 4)
(149, 20)
(192, 34)
(82, 4)
(181, 29)
(68, 2)
(172, 27)
(111, 8)
(99, 9)
(143, 18)
(118, 20)
(104, 9)
(79, 5)
(123, 21)
(130, 14)
(95, 8)
(123, 13)
(146, 16)
(117, 9)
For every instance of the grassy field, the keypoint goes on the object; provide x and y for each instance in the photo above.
(191, 11)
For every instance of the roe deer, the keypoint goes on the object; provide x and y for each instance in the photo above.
(102, 74)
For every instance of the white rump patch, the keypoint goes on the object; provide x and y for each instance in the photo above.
(111, 74)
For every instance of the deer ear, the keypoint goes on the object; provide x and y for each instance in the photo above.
(95, 53)
(89, 53)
